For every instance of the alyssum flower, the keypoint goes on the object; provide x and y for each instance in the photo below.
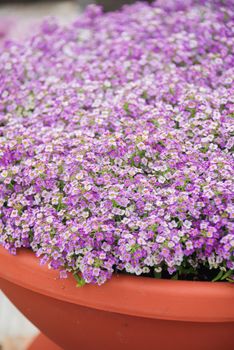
(116, 140)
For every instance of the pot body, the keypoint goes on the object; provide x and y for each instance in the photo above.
(72, 325)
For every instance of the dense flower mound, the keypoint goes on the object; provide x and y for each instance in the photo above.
(116, 140)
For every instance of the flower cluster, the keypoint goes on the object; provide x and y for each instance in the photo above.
(116, 135)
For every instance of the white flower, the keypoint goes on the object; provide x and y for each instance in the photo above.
(49, 219)
(161, 179)
(187, 224)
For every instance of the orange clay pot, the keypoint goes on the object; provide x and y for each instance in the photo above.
(125, 313)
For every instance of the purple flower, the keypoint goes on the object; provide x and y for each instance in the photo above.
(116, 140)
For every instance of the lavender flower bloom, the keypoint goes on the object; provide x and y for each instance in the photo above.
(116, 140)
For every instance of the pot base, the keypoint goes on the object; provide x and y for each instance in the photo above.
(126, 313)
(42, 342)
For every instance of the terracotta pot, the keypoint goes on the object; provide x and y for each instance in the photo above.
(125, 313)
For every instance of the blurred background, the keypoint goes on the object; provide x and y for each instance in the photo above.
(18, 17)
(17, 20)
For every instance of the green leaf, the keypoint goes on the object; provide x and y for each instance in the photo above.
(61, 185)
(218, 277)
(126, 107)
(115, 204)
(144, 95)
(230, 280)
(60, 205)
(80, 281)
(175, 277)
(157, 274)
(204, 149)
(227, 275)
(177, 125)
(155, 122)
(11, 185)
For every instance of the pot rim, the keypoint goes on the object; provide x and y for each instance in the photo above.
(131, 295)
